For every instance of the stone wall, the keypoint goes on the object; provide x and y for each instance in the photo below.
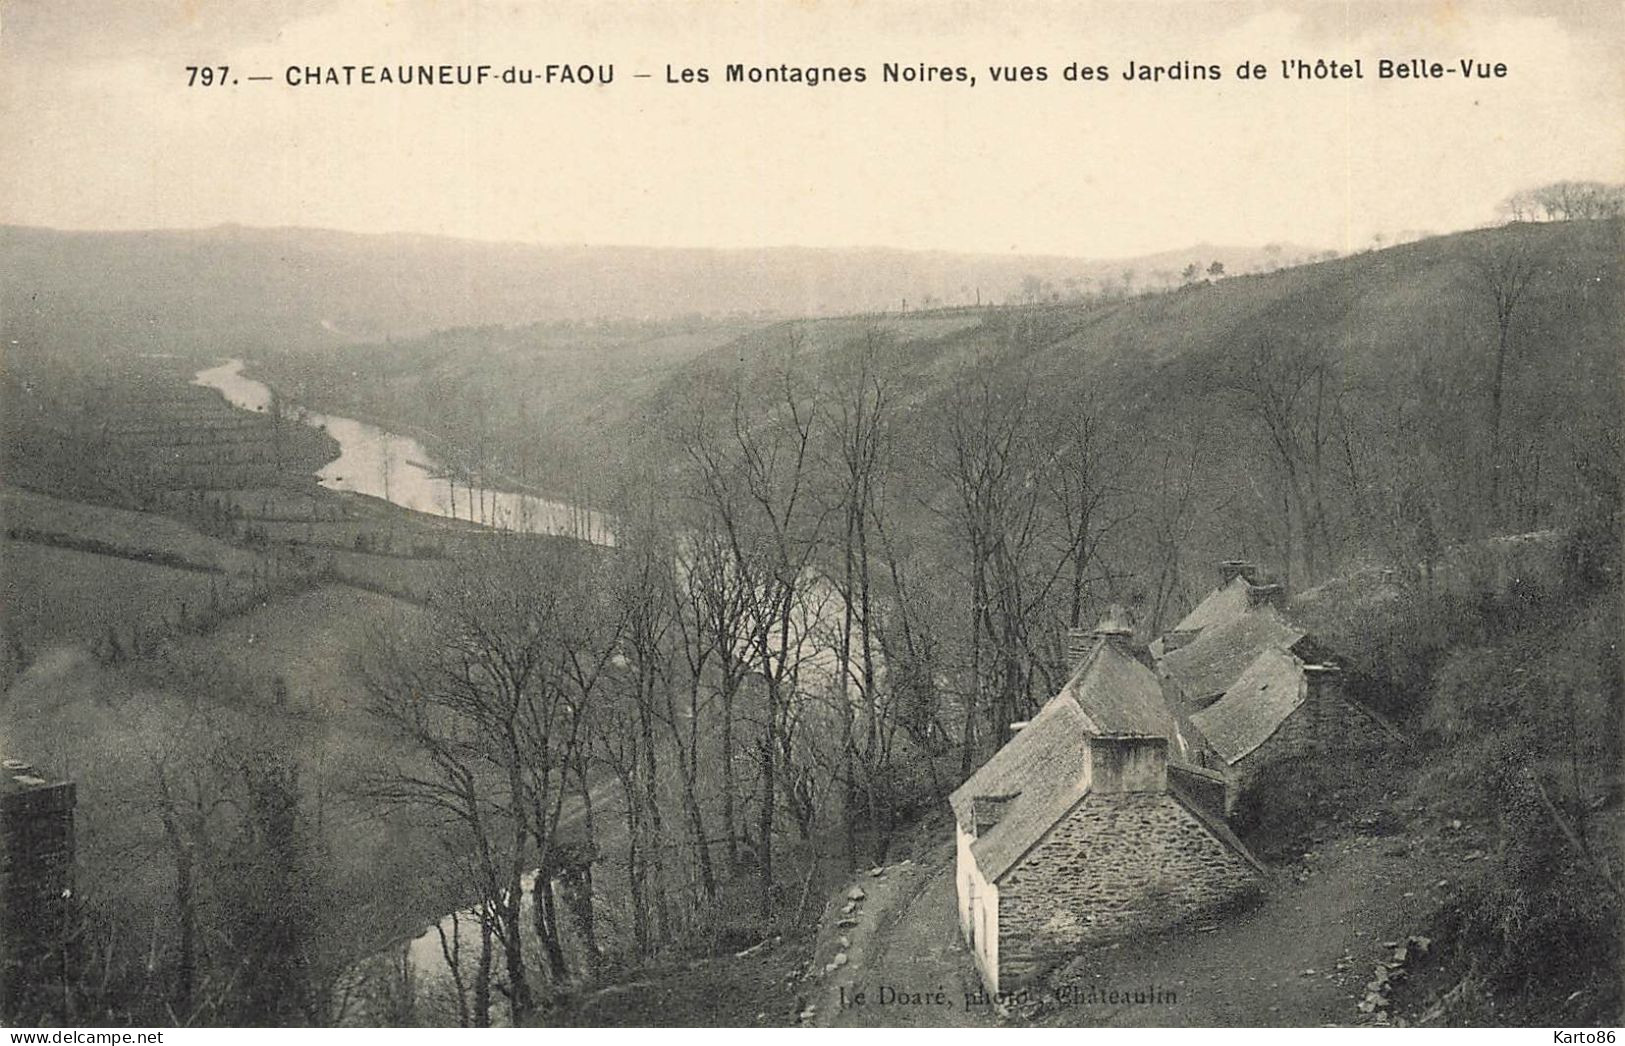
(1294, 737)
(1326, 722)
(36, 870)
(1126, 764)
(1115, 866)
(1204, 786)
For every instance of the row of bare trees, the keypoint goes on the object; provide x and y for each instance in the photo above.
(1391, 465)
(490, 705)
(1565, 201)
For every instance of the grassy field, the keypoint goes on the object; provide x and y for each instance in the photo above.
(136, 534)
(80, 573)
(139, 505)
(129, 430)
(59, 595)
(309, 646)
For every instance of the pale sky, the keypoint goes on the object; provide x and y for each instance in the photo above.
(99, 130)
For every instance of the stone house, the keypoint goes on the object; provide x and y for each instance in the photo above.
(1085, 827)
(1282, 708)
(1257, 688)
(1239, 590)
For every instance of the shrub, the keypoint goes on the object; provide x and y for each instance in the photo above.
(1283, 810)
(1542, 929)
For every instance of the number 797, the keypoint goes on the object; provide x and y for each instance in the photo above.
(206, 75)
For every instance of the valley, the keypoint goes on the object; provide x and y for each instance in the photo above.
(232, 583)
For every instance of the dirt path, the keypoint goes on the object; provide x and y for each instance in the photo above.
(1302, 957)
(905, 963)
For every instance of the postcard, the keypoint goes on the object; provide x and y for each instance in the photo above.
(774, 514)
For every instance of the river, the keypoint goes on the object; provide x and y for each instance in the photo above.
(396, 468)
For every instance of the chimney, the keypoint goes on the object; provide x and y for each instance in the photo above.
(1079, 641)
(1117, 763)
(36, 879)
(1230, 569)
(1113, 626)
(1324, 685)
(1274, 595)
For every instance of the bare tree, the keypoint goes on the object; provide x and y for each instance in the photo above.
(187, 798)
(1088, 500)
(1505, 271)
(716, 592)
(489, 703)
(1293, 391)
(1568, 201)
(859, 418)
(688, 595)
(989, 461)
(1177, 474)
(754, 473)
(644, 597)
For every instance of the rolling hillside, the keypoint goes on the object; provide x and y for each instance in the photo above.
(249, 290)
(1378, 371)
(1408, 337)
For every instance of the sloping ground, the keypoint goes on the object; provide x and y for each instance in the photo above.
(1376, 311)
(59, 595)
(725, 992)
(1410, 333)
(1302, 957)
(1581, 984)
(117, 580)
(69, 711)
(907, 965)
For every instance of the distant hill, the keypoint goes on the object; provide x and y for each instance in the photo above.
(248, 289)
(1408, 338)
(1409, 333)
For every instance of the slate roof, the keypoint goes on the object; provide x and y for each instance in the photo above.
(1119, 695)
(1208, 665)
(1223, 604)
(1254, 706)
(1049, 739)
(1042, 765)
